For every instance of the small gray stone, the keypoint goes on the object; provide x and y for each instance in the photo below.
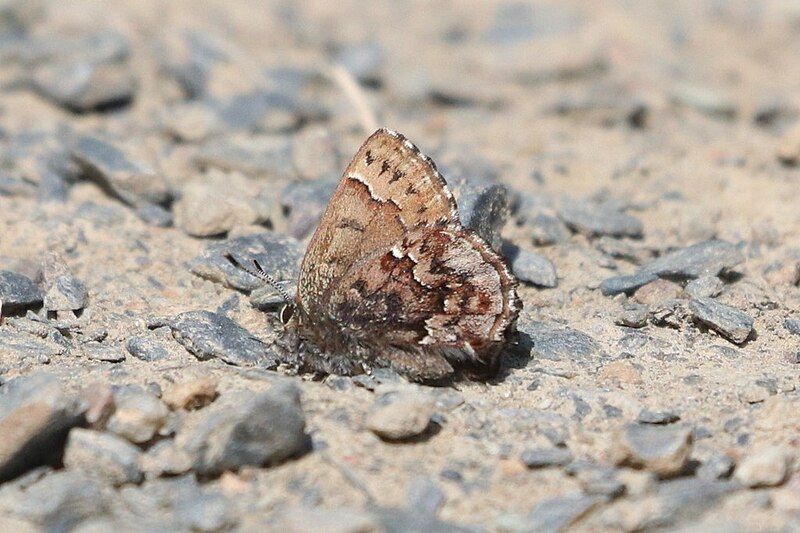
(596, 220)
(662, 450)
(766, 467)
(729, 322)
(138, 416)
(98, 351)
(279, 256)
(36, 415)
(704, 287)
(205, 210)
(557, 342)
(261, 156)
(146, 349)
(707, 258)
(625, 284)
(705, 100)
(17, 292)
(207, 335)
(245, 429)
(104, 455)
(400, 416)
(530, 267)
(547, 230)
(792, 325)
(559, 513)
(646, 416)
(83, 86)
(205, 512)
(484, 209)
(718, 466)
(67, 293)
(634, 316)
(24, 347)
(115, 171)
(545, 457)
(154, 215)
(425, 496)
(339, 519)
(260, 110)
(266, 298)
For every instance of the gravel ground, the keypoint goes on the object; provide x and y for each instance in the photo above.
(635, 162)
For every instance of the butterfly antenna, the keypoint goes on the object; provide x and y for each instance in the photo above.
(260, 274)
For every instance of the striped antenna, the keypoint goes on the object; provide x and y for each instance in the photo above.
(260, 274)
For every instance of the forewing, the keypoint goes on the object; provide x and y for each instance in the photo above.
(441, 290)
(388, 189)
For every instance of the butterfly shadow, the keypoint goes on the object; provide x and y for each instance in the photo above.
(517, 355)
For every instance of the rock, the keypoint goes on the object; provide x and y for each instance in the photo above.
(23, 347)
(547, 230)
(544, 457)
(83, 86)
(154, 215)
(103, 454)
(279, 256)
(704, 287)
(100, 404)
(646, 416)
(558, 343)
(705, 100)
(634, 316)
(191, 394)
(484, 210)
(401, 416)
(36, 415)
(530, 267)
(729, 322)
(766, 467)
(205, 511)
(57, 502)
(139, 415)
(596, 220)
(245, 429)
(792, 325)
(657, 291)
(207, 335)
(207, 211)
(662, 450)
(314, 153)
(260, 110)
(115, 171)
(625, 284)
(304, 203)
(561, 512)
(707, 258)
(98, 351)
(17, 292)
(260, 156)
(718, 466)
(424, 496)
(146, 349)
(67, 293)
(192, 121)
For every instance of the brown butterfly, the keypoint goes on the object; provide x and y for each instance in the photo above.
(392, 279)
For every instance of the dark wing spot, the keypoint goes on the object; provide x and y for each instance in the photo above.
(368, 158)
(422, 209)
(411, 190)
(351, 223)
(384, 167)
(398, 175)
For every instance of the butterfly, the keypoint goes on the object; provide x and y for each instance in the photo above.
(392, 279)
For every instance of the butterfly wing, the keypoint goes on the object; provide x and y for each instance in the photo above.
(444, 293)
(388, 189)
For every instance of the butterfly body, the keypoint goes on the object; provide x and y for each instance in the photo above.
(391, 278)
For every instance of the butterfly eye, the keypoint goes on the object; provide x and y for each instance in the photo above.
(287, 311)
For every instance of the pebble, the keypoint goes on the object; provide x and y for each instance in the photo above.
(561, 512)
(266, 157)
(547, 230)
(705, 100)
(597, 220)
(657, 291)
(545, 457)
(67, 293)
(707, 258)
(192, 121)
(633, 316)
(424, 496)
(789, 149)
(484, 209)
(646, 416)
(18, 292)
(191, 394)
(314, 153)
(36, 414)
(704, 287)
(209, 335)
(245, 429)
(769, 466)
(260, 110)
(718, 466)
(98, 351)
(625, 284)
(114, 170)
(664, 451)
(24, 347)
(341, 520)
(278, 255)
(104, 455)
(83, 86)
(207, 211)
(401, 416)
(558, 343)
(530, 267)
(138, 415)
(154, 215)
(146, 348)
(728, 321)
